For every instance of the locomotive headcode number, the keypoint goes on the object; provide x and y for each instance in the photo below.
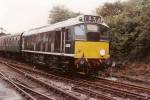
(92, 19)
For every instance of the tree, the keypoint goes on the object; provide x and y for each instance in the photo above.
(2, 31)
(110, 9)
(60, 13)
(131, 36)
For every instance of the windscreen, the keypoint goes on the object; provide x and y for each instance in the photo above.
(80, 32)
(92, 32)
(92, 28)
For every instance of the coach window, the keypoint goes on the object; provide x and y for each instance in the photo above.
(80, 32)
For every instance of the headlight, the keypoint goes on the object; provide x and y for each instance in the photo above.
(102, 52)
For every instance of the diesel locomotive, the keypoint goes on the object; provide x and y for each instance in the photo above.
(79, 44)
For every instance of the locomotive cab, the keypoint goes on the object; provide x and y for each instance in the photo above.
(91, 48)
(92, 41)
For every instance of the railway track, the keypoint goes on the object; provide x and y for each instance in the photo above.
(132, 79)
(42, 90)
(117, 91)
(96, 90)
(130, 87)
(73, 95)
(64, 95)
(16, 87)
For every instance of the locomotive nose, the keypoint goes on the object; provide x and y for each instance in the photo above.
(92, 50)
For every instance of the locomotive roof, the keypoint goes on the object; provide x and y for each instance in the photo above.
(69, 22)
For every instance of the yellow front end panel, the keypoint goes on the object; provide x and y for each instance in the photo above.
(91, 50)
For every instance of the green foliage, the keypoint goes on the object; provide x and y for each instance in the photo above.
(60, 13)
(2, 31)
(110, 9)
(131, 28)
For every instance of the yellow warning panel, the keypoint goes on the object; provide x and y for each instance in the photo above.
(92, 50)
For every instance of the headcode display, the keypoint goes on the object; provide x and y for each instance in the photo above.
(92, 19)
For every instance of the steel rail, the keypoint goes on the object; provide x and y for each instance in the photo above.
(92, 93)
(21, 91)
(65, 94)
(45, 97)
(109, 89)
(124, 85)
(123, 93)
(99, 95)
(132, 79)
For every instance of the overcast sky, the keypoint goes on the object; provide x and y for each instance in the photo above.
(21, 15)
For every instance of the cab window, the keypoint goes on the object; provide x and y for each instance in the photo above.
(80, 32)
(92, 28)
